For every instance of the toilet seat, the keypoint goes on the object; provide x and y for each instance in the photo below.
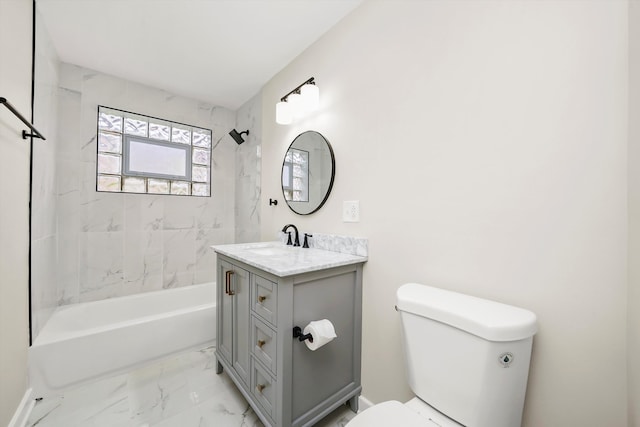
(414, 413)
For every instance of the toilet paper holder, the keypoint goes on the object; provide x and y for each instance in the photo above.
(297, 333)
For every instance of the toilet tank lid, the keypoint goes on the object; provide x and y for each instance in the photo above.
(490, 320)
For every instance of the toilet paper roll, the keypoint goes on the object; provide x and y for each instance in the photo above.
(322, 332)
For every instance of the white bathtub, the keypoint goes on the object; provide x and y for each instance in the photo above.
(81, 342)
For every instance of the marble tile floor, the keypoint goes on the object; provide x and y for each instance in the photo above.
(180, 391)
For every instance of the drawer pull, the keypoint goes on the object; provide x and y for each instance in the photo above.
(228, 279)
(261, 298)
(260, 387)
(261, 343)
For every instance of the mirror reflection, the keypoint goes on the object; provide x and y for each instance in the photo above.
(308, 170)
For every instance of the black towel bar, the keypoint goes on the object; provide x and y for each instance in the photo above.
(25, 135)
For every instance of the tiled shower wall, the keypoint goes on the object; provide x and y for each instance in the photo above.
(248, 169)
(119, 244)
(88, 245)
(44, 235)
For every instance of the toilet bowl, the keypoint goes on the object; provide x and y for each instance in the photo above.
(467, 362)
(414, 413)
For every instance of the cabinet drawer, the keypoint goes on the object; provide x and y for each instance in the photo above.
(263, 388)
(264, 344)
(264, 299)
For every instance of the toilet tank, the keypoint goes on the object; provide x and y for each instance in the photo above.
(467, 357)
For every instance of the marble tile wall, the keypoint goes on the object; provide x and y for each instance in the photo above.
(44, 236)
(332, 242)
(112, 244)
(343, 244)
(248, 172)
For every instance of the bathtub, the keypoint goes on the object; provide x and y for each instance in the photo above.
(85, 341)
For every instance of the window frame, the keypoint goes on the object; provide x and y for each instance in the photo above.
(126, 158)
(163, 184)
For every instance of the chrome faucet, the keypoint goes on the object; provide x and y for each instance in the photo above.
(296, 240)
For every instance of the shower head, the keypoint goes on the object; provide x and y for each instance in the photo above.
(237, 137)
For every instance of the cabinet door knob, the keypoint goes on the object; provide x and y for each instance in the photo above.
(261, 343)
(261, 298)
(260, 387)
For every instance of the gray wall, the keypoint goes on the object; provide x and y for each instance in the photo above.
(15, 85)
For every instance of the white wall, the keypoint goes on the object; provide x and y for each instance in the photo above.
(486, 142)
(15, 85)
(634, 214)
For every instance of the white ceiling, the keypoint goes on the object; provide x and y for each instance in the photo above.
(219, 51)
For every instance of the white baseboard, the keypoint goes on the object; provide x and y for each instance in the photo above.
(364, 403)
(23, 410)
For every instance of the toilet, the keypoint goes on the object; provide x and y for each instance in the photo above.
(467, 362)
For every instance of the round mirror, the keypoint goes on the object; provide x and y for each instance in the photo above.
(307, 173)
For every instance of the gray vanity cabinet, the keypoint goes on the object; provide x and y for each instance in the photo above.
(233, 318)
(287, 384)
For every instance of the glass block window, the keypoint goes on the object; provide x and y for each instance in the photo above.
(143, 154)
(295, 176)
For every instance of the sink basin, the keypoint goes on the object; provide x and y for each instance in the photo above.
(271, 250)
(268, 251)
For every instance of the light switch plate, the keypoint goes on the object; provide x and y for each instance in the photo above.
(351, 211)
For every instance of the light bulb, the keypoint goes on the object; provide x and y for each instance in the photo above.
(310, 96)
(283, 113)
(297, 105)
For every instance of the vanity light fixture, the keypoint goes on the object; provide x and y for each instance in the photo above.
(300, 101)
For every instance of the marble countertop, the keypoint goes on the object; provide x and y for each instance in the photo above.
(282, 260)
